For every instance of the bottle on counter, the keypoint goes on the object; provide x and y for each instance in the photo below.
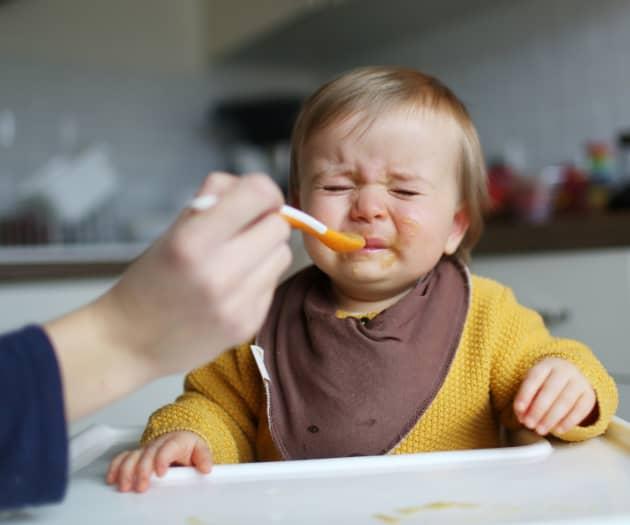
(621, 199)
(624, 155)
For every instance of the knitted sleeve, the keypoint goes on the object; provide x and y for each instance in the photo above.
(220, 403)
(520, 340)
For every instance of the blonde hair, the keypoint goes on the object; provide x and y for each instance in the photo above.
(372, 91)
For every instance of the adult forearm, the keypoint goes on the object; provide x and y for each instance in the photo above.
(97, 363)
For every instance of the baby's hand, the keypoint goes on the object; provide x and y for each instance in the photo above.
(554, 396)
(132, 469)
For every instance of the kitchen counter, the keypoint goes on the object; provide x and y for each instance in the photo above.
(66, 262)
(569, 233)
(565, 233)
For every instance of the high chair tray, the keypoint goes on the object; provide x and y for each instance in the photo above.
(532, 481)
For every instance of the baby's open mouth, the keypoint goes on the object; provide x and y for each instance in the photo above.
(373, 243)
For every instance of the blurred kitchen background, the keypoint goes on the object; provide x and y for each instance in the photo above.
(112, 113)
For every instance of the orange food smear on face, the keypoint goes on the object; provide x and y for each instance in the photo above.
(388, 260)
(410, 227)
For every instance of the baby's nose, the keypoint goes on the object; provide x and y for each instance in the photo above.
(369, 204)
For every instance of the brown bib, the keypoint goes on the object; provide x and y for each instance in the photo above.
(356, 387)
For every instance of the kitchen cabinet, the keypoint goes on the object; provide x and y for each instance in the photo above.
(584, 295)
(330, 34)
(151, 35)
(234, 24)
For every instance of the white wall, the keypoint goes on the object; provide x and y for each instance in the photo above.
(551, 75)
(132, 75)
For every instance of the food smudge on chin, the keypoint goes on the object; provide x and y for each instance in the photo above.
(388, 260)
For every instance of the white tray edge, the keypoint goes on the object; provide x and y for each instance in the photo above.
(91, 444)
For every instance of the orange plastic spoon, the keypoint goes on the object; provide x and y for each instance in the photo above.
(338, 241)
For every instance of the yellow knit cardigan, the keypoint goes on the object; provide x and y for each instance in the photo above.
(225, 401)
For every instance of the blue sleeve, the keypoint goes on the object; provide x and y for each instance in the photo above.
(33, 434)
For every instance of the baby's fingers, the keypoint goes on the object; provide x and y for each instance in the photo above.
(127, 470)
(145, 467)
(582, 408)
(202, 458)
(171, 451)
(560, 408)
(545, 398)
(532, 383)
(114, 467)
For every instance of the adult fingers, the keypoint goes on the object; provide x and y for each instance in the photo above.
(244, 254)
(261, 282)
(243, 311)
(242, 204)
(260, 238)
(217, 183)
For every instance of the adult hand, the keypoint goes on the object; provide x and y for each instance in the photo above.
(207, 284)
(203, 287)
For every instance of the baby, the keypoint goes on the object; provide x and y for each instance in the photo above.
(395, 348)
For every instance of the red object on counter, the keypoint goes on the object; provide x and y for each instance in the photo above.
(572, 195)
(500, 188)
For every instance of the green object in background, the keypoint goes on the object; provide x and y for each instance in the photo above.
(601, 167)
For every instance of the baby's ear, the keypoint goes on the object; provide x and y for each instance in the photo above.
(459, 227)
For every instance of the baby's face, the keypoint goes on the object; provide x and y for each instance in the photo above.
(395, 184)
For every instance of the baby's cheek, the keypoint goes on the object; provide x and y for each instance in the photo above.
(415, 236)
(408, 228)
